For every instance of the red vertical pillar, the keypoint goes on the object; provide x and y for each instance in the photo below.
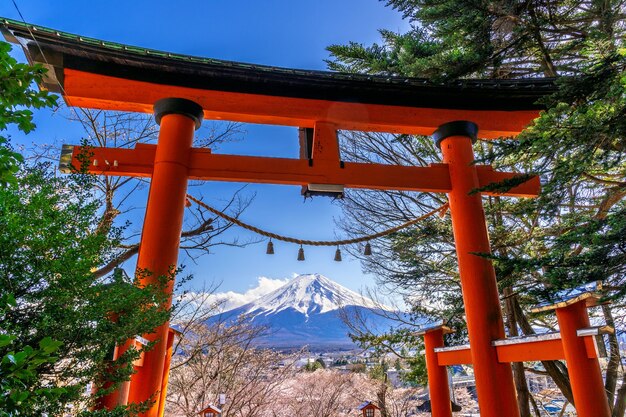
(162, 227)
(584, 373)
(166, 371)
(120, 395)
(494, 380)
(438, 387)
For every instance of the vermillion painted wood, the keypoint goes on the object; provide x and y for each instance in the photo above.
(204, 165)
(494, 380)
(438, 385)
(585, 375)
(160, 240)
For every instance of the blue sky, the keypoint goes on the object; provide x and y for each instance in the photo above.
(274, 32)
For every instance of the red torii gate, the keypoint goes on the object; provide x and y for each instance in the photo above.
(575, 342)
(182, 90)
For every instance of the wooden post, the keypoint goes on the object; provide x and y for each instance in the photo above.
(120, 395)
(494, 380)
(166, 371)
(585, 375)
(438, 385)
(163, 222)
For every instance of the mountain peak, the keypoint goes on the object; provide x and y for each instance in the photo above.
(308, 294)
(306, 311)
(312, 280)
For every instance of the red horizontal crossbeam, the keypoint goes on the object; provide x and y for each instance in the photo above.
(205, 165)
(455, 357)
(86, 89)
(533, 350)
(546, 350)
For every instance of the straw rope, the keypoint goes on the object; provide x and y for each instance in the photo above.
(441, 210)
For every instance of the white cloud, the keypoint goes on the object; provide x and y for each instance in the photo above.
(228, 300)
(232, 299)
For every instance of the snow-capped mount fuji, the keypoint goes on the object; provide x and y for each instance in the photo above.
(307, 311)
(308, 294)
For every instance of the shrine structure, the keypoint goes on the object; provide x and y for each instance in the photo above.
(182, 90)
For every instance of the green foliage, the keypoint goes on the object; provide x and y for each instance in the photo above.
(9, 163)
(17, 96)
(396, 341)
(20, 364)
(578, 146)
(575, 232)
(409, 54)
(16, 81)
(416, 374)
(56, 318)
(437, 47)
(340, 362)
(314, 365)
(379, 371)
(19, 372)
(49, 243)
(572, 234)
(451, 39)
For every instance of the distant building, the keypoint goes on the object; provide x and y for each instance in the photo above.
(211, 411)
(368, 409)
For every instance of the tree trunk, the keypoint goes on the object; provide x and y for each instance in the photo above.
(521, 386)
(549, 70)
(535, 406)
(620, 401)
(614, 357)
(382, 397)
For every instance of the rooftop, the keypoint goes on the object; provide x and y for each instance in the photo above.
(101, 74)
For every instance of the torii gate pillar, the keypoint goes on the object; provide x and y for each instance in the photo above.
(160, 239)
(584, 371)
(494, 380)
(438, 385)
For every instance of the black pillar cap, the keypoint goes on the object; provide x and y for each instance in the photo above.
(182, 106)
(456, 128)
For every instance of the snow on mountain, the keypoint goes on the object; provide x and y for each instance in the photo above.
(308, 294)
(308, 310)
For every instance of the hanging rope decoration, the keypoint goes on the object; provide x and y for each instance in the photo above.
(441, 211)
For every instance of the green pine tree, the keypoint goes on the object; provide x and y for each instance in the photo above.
(572, 234)
(56, 332)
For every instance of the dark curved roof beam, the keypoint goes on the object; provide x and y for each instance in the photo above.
(98, 74)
